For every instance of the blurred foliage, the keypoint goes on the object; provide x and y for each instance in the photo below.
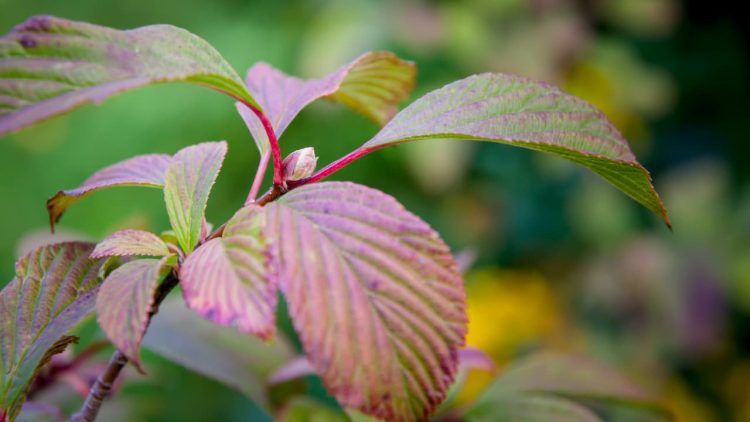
(564, 261)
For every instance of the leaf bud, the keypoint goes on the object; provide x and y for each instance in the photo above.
(299, 164)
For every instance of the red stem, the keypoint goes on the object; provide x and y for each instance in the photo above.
(333, 167)
(278, 170)
(258, 178)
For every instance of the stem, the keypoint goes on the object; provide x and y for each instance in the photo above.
(278, 170)
(258, 178)
(333, 167)
(104, 382)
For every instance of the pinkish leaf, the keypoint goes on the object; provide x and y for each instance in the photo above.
(54, 289)
(227, 280)
(50, 65)
(374, 294)
(373, 84)
(188, 181)
(472, 358)
(125, 301)
(520, 112)
(143, 170)
(131, 242)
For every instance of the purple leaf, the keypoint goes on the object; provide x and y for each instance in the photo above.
(374, 294)
(296, 367)
(54, 289)
(227, 279)
(188, 181)
(131, 242)
(125, 301)
(240, 361)
(50, 65)
(472, 358)
(373, 84)
(143, 170)
(528, 114)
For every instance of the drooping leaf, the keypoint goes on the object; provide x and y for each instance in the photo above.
(374, 294)
(125, 301)
(520, 112)
(570, 376)
(131, 242)
(143, 170)
(50, 65)
(227, 280)
(373, 84)
(573, 381)
(188, 181)
(530, 408)
(240, 361)
(54, 289)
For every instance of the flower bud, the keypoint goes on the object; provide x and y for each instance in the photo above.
(300, 164)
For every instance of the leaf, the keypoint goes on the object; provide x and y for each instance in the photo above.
(143, 170)
(125, 301)
(530, 408)
(240, 361)
(565, 383)
(520, 112)
(188, 181)
(227, 279)
(297, 367)
(373, 84)
(131, 242)
(570, 376)
(53, 290)
(303, 409)
(374, 294)
(50, 65)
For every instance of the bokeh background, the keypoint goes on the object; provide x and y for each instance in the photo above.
(563, 260)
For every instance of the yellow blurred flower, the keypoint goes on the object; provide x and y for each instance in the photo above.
(509, 310)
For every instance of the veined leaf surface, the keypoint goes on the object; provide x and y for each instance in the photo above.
(131, 242)
(143, 170)
(373, 84)
(54, 289)
(374, 294)
(520, 112)
(227, 280)
(188, 182)
(50, 65)
(125, 301)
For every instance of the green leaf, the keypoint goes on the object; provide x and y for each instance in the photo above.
(374, 294)
(50, 65)
(54, 289)
(551, 376)
(125, 301)
(520, 112)
(227, 280)
(530, 408)
(188, 182)
(307, 410)
(240, 361)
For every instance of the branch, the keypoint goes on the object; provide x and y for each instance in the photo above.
(333, 167)
(104, 382)
(278, 169)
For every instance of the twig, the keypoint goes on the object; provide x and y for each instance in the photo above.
(258, 178)
(103, 384)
